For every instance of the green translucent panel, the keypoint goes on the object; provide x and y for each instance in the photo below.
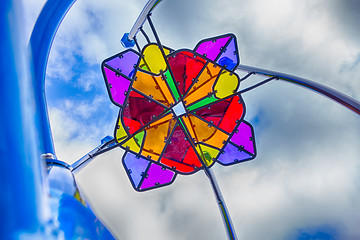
(226, 85)
(202, 103)
(153, 59)
(172, 85)
(154, 87)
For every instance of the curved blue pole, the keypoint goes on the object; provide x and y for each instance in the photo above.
(40, 43)
(22, 199)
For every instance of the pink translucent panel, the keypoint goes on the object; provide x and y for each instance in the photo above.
(230, 58)
(135, 167)
(157, 176)
(233, 154)
(211, 48)
(125, 63)
(117, 85)
(244, 137)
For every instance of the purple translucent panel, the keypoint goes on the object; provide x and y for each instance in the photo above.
(157, 176)
(244, 137)
(125, 63)
(136, 167)
(230, 57)
(118, 86)
(212, 47)
(233, 154)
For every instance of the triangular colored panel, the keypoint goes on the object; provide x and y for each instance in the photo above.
(185, 67)
(230, 58)
(124, 62)
(244, 138)
(157, 176)
(154, 87)
(135, 167)
(141, 109)
(117, 86)
(212, 47)
(233, 154)
(157, 135)
(176, 151)
(203, 86)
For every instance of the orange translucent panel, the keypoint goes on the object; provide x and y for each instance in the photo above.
(202, 132)
(153, 60)
(204, 84)
(154, 87)
(226, 85)
(156, 136)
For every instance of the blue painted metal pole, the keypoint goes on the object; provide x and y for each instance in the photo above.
(22, 199)
(41, 40)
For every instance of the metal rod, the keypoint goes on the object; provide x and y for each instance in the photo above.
(150, 5)
(333, 94)
(85, 160)
(230, 230)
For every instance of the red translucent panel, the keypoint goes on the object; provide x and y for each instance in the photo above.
(225, 113)
(191, 158)
(141, 109)
(185, 67)
(176, 152)
(215, 112)
(132, 125)
(232, 115)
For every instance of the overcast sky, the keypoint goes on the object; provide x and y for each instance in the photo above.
(304, 183)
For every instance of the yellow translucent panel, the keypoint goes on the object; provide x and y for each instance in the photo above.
(207, 134)
(204, 84)
(153, 60)
(153, 86)
(226, 85)
(120, 132)
(135, 142)
(207, 154)
(156, 137)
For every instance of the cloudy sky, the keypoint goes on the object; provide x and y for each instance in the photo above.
(304, 183)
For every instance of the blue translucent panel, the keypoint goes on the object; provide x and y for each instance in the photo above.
(124, 62)
(230, 58)
(232, 155)
(136, 167)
